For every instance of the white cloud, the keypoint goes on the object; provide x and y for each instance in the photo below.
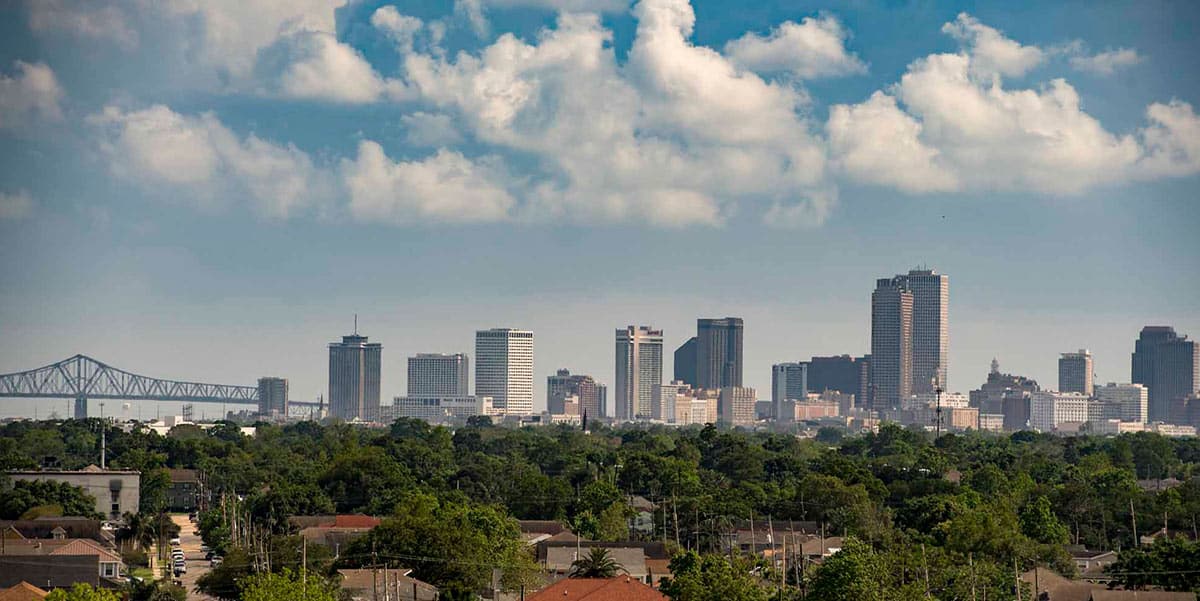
(32, 92)
(403, 29)
(945, 128)
(472, 11)
(1106, 63)
(202, 161)
(16, 205)
(992, 53)
(98, 20)
(813, 48)
(876, 142)
(445, 187)
(316, 66)
(572, 6)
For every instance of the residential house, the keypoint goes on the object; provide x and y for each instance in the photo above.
(333, 531)
(387, 583)
(619, 588)
(60, 563)
(22, 591)
(186, 490)
(57, 527)
(1125, 595)
(646, 561)
(536, 531)
(1091, 563)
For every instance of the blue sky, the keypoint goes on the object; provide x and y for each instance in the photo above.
(210, 190)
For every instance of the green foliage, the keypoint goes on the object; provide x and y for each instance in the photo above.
(856, 573)
(598, 563)
(222, 581)
(1039, 523)
(1170, 563)
(82, 592)
(30, 498)
(287, 586)
(712, 578)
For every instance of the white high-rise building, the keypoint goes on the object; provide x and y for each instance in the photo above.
(1048, 409)
(504, 369)
(789, 382)
(667, 398)
(1075, 372)
(639, 370)
(1130, 402)
(439, 375)
(930, 328)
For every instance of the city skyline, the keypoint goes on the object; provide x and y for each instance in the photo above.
(243, 253)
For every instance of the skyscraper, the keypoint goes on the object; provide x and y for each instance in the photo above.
(789, 381)
(564, 384)
(439, 375)
(1168, 365)
(272, 396)
(685, 362)
(930, 328)
(1075, 372)
(735, 406)
(1132, 401)
(719, 352)
(891, 343)
(504, 369)
(354, 378)
(845, 374)
(639, 370)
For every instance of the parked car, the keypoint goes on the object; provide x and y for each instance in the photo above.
(216, 561)
(175, 542)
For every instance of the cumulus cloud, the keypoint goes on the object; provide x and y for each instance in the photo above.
(98, 20)
(316, 66)
(445, 187)
(951, 124)
(16, 205)
(403, 29)
(1106, 63)
(31, 92)
(813, 48)
(991, 52)
(202, 161)
(430, 130)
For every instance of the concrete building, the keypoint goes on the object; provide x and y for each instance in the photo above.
(438, 374)
(564, 384)
(891, 343)
(116, 491)
(789, 381)
(718, 352)
(667, 399)
(685, 362)
(1168, 365)
(1049, 409)
(354, 367)
(1130, 402)
(504, 369)
(1007, 395)
(843, 373)
(436, 409)
(735, 406)
(1075, 372)
(639, 353)
(930, 328)
(272, 397)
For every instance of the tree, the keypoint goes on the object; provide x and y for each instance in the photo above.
(1039, 523)
(29, 495)
(139, 529)
(598, 563)
(613, 523)
(711, 578)
(287, 586)
(856, 573)
(1169, 563)
(82, 592)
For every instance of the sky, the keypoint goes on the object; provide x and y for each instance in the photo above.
(212, 190)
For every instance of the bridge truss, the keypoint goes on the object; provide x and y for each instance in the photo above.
(82, 378)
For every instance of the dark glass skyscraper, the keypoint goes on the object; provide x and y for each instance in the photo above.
(685, 362)
(718, 352)
(1168, 365)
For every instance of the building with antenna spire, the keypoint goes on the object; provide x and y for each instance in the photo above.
(354, 366)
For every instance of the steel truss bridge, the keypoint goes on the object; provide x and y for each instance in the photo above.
(82, 378)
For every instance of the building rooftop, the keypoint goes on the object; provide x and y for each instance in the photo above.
(620, 588)
(22, 591)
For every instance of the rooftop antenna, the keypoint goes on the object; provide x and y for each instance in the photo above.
(356, 324)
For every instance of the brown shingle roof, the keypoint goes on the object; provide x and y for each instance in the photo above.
(621, 588)
(22, 591)
(1141, 596)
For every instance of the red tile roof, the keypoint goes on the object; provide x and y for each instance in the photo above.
(620, 588)
(355, 521)
(22, 591)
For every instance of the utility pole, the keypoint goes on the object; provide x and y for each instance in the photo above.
(938, 390)
(103, 442)
(303, 567)
(1133, 515)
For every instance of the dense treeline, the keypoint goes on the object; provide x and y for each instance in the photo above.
(938, 517)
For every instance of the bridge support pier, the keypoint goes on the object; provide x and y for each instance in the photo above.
(81, 407)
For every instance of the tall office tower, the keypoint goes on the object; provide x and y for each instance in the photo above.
(930, 328)
(504, 369)
(718, 352)
(354, 378)
(845, 374)
(601, 401)
(891, 343)
(439, 375)
(1131, 401)
(1075, 372)
(789, 381)
(735, 406)
(685, 362)
(639, 370)
(272, 396)
(1168, 365)
(563, 384)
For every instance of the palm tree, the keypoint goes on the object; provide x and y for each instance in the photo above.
(596, 564)
(139, 529)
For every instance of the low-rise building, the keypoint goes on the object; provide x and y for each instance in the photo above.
(436, 409)
(60, 563)
(1049, 410)
(116, 491)
(617, 588)
(386, 583)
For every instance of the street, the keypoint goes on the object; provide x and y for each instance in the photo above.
(197, 565)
